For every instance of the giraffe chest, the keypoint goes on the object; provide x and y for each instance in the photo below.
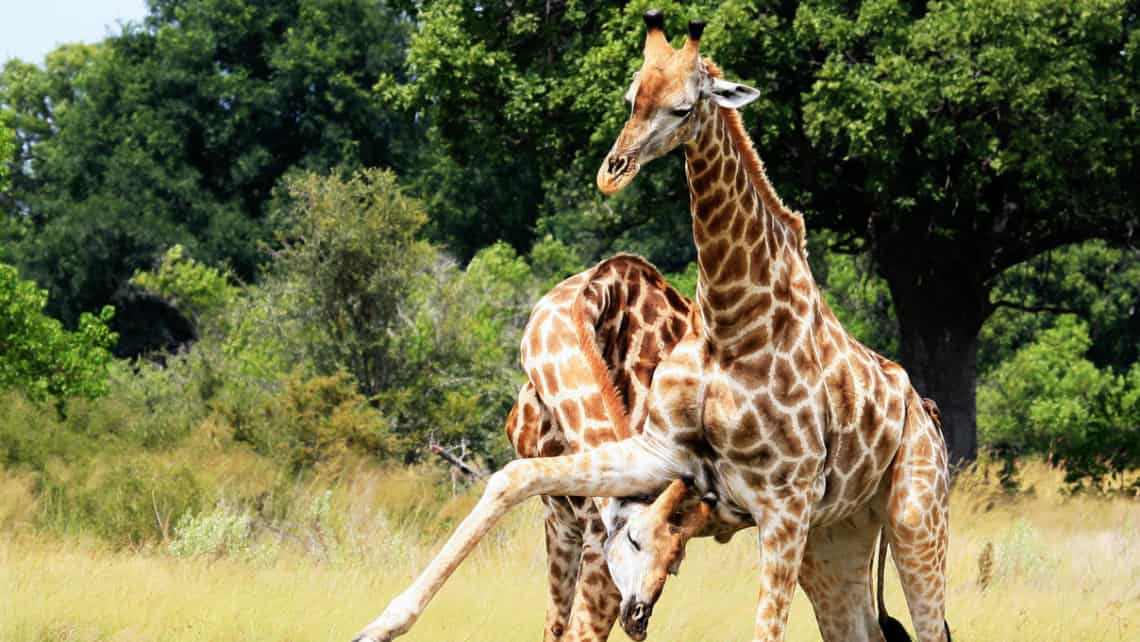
(762, 445)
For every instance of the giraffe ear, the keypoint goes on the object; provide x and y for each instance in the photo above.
(729, 94)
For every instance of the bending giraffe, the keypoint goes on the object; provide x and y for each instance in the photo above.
(589, 351)
(766, 401)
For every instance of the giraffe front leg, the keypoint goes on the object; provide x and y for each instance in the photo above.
(612, 470)
(784, 526)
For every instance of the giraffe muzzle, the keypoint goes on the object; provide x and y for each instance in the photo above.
(635, 619)
(617, 170)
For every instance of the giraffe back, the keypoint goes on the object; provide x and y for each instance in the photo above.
(589, 350)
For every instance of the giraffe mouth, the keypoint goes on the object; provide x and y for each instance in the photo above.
(617, 170)
(635, 619)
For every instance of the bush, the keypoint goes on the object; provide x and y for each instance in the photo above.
(1049, 399)
(198, 291)
(314, 420)
(130, 504)
(41, 358)
(225, 531)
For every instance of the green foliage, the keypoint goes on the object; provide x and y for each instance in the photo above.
(129, 504)
(352, 254)
(994, 95)
(7, 148)
(1097, 282)
(686, 280)
(1049, 399)
(197, 290)
(180, 129)
(38, 356)
(222, 532)
(311, 421)
(459, 353)
(551, 261)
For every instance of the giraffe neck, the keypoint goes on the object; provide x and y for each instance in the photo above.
(743, 233)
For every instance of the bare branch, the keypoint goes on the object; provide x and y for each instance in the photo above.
(467, 469)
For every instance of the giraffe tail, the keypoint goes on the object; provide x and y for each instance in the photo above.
(893, 630)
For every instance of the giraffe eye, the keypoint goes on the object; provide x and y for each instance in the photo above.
(682, 112)
(633, 542)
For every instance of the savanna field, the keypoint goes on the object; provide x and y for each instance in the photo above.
(262, 262)
(1058, 568)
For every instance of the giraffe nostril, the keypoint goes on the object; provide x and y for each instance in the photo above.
(618, 164)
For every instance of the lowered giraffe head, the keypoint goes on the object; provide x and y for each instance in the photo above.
(648, 545)
(671, 98)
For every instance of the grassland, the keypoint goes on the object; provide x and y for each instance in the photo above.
(1063, 568)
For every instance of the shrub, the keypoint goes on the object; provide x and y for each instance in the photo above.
(351, 256)
(312, 421)
(41, 358)
(130, 504)
(1049, 399)
(224, 531)
(196, 290)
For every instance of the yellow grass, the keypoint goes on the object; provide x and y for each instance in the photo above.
(1063, 569)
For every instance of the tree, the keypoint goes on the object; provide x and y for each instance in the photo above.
(38, 356)
(1098, 283)
(180, 130)
(964, 138)
(351, 257)
(7, 146)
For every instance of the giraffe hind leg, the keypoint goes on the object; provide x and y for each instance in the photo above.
(835, 574)
(918, 522)
(893, 630)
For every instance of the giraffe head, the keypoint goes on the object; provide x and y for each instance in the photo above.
(648, 546)
(671, 99)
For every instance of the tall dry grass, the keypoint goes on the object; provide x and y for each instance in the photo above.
(1060, 568)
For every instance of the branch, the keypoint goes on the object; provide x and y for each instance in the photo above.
(1052, 309)
(457, 462)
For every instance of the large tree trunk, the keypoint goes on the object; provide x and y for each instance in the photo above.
(939, 319)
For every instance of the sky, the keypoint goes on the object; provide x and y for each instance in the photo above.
(29, 29)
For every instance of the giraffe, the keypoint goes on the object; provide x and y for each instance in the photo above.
(823, 441)
(766, 401)
(589, 351)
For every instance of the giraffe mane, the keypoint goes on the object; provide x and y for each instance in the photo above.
(615, 407)
(755, 167)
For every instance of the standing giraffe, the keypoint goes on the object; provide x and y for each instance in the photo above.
(819, 438)
(766, 401)
(589, 351)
